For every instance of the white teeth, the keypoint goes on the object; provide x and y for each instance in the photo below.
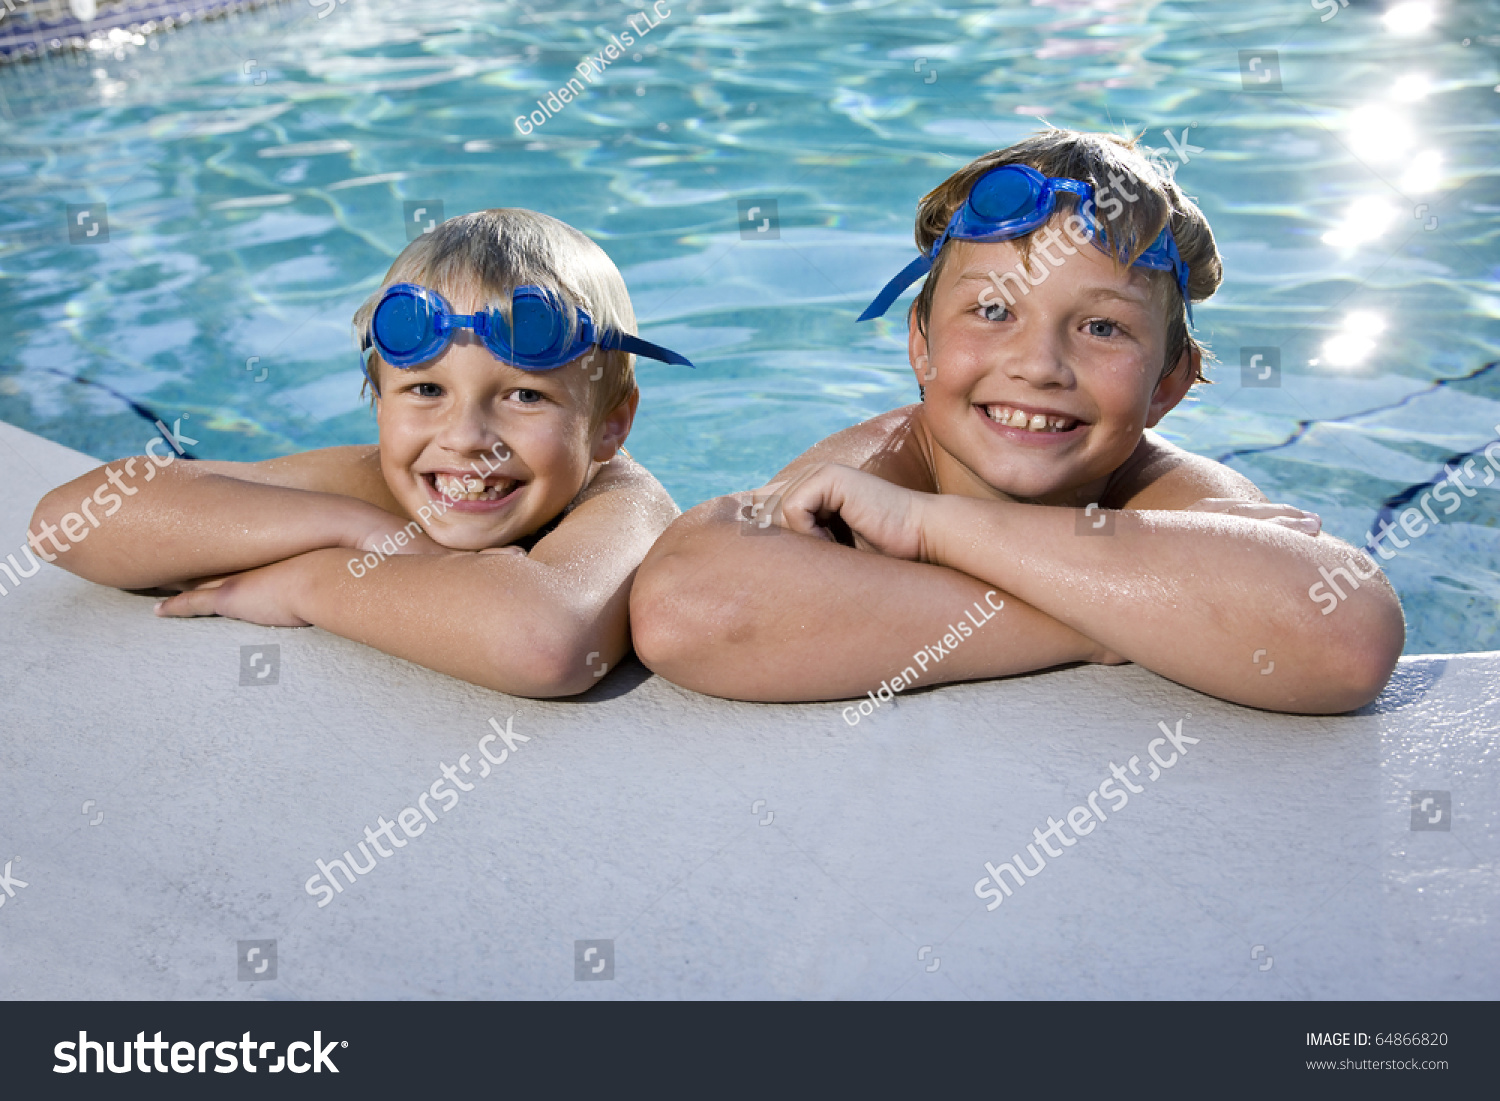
(469, 488)
(1033, 422)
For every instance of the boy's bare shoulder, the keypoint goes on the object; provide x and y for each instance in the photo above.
(628, 484)
(622, 511)
(1161, 475)
(887, 445)
(352, 471)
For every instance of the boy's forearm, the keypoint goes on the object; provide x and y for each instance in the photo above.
(777, 616)
(502, 621)
(133, 525)
(1196, 597)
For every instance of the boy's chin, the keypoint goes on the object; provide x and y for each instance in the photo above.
(473, 541)
(1024, 485)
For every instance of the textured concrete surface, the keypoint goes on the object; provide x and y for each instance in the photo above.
(159, 814)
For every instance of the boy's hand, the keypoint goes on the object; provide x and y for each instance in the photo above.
(885, 516)
(268, 595)
(1285, 515)
(372, 528)
(261, 596)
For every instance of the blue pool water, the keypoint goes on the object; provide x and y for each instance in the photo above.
(255, 171)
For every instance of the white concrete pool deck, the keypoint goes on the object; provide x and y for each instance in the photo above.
(159, 813)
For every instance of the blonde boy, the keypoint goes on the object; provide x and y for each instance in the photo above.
(492, 532)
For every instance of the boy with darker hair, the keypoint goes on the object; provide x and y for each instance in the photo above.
(1051, 336)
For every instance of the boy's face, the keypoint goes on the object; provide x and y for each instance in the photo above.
(491, 451)
(1085, 345)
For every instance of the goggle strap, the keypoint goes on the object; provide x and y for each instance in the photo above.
(364, 365)
(624, 342)
(893, 290)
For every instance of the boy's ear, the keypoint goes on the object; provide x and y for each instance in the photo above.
(616, 427)
(916, 349)
(1173, 388)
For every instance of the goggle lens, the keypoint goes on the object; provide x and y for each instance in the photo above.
(1001, 196)
(402, 324)
(537, 328)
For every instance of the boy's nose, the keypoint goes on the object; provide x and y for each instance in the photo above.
(1040, 359)
(468, 429)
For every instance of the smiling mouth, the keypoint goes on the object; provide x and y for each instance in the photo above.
(1011, 417)
(468, 487)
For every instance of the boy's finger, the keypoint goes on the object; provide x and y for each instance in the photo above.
(1310, 524)
(195, 602)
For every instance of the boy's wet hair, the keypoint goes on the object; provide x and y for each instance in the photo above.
(1115, 168)
(481, 258)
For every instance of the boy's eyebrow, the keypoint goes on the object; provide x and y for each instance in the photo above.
(519, 375)
(1133, 296)
(1098, 290)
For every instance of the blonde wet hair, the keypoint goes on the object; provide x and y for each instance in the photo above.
(481, 258)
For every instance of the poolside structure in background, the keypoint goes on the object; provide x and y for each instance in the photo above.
(34, 28)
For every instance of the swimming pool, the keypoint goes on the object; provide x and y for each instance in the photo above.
(259, 173)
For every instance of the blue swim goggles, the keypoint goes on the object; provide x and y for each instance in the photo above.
(412, 324)
(1012, 200)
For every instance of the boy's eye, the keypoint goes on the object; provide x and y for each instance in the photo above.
(1100, 327)
(993, 312)
(528, 397)
(425, 390)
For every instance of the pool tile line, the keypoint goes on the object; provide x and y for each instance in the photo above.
(135, 407)
(1303, 426)
(1387, 514)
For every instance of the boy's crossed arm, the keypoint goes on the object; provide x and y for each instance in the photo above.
(731, 605)
(1189, 587)
(548, 623)
(722, 607)
(1199, 595)
(195, 520)
(544, 624)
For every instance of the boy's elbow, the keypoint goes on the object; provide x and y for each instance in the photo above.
(553, 664)
(692, 597)
(1363, 656)
(671, 620)
(570, 650)
(653, 619)
(46, 520)
(49, 511)
(1373, 659)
